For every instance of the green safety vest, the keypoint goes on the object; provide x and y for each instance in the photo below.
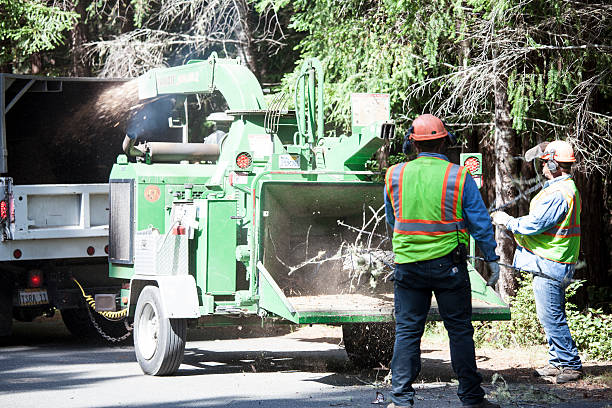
(561, 243)
(426, 195)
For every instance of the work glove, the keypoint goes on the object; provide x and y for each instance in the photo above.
(500, 218)
(494, 268)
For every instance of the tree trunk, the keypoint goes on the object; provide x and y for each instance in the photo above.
(36, 63)
(594, 250)
(505, 149)
(244, 36)
(80, 65)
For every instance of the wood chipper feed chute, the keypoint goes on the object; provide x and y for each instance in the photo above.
(317, 262)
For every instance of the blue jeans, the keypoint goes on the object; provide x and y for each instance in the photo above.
(414, 284)
(550, 306)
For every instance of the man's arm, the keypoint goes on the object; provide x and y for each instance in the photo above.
(389, 211)
(478, 220)
(544, 216)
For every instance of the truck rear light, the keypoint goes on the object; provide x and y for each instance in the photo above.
(91, 250)
(244, 160)
(35, 278)
(106, 249)
(17, 253)
(3, 210)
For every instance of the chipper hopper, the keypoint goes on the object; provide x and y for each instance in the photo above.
(269, 220)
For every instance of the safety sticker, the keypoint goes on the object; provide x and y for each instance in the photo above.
(289, 161)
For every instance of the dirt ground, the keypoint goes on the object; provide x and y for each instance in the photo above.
(508, 373)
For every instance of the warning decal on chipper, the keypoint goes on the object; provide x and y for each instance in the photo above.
(289, 161)
(152, 193)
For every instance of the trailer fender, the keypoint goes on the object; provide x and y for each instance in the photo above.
(179, 295)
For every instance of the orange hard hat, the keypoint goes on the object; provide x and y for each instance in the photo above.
(427, 127)
(560, 150)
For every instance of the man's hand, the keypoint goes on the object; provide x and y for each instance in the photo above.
(500, 218)
(494, 268)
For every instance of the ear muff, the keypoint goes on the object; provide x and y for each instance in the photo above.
(408, 146)
(551, 163)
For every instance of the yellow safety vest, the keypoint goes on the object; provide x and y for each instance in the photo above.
(561, 243)
(426, 195)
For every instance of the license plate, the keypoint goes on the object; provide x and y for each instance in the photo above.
(30, 297)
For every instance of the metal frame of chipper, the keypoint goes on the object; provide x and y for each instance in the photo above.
(207, 232)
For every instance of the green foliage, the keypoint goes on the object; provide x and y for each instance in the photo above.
(591, 329)
(523, 330)
(27, 27)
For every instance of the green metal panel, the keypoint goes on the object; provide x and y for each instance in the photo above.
(220, 247)
(235, 82)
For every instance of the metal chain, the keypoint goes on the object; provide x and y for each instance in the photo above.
(107, 337)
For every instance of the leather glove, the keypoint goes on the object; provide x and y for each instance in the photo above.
(494, 268)
(500, 218)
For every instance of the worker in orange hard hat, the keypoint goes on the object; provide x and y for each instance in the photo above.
(548, 241)
(432, 205)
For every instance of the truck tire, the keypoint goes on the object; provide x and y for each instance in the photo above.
(6, 307)
(79, 324)
(369, 345)
(159, 342)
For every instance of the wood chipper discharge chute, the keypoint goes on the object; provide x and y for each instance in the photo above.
(263, 218)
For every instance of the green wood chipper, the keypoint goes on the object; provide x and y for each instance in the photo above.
(270, 219)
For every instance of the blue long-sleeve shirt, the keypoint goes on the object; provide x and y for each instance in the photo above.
(474, 212)
(548, 212)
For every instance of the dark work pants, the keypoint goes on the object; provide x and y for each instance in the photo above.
(414, 284)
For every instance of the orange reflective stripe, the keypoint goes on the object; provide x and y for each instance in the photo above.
(401, 189)
(444, 191)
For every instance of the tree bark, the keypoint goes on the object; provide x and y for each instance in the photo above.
(505, 169)
(80, 65)
(36, 64)
(594, 250)
(244, 35)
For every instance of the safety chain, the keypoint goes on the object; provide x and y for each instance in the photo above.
(107, 337)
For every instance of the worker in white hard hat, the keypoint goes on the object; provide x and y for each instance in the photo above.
(548, 241)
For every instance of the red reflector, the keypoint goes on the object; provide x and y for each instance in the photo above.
(179, 230)
(106, 249)
(91, 250)
(3, 210)
(17, 253)
(243, 160)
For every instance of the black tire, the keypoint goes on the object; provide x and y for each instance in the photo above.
(79, 324)
(159, 342)
(369, 345)
(6, 306)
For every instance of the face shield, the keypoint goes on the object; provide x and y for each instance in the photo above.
(536, 152)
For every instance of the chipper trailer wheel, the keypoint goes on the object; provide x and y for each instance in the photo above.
(369, 345)
(159, 342)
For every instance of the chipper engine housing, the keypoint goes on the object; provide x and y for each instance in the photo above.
(270, 220)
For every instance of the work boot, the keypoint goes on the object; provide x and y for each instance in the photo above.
(483, 404)
(567, 375)
(548, 371)
(393, 405)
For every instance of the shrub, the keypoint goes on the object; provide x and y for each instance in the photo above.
(591, 329)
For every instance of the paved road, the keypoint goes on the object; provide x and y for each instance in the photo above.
(45, 367)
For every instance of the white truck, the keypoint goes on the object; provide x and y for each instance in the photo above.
(58, 140)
